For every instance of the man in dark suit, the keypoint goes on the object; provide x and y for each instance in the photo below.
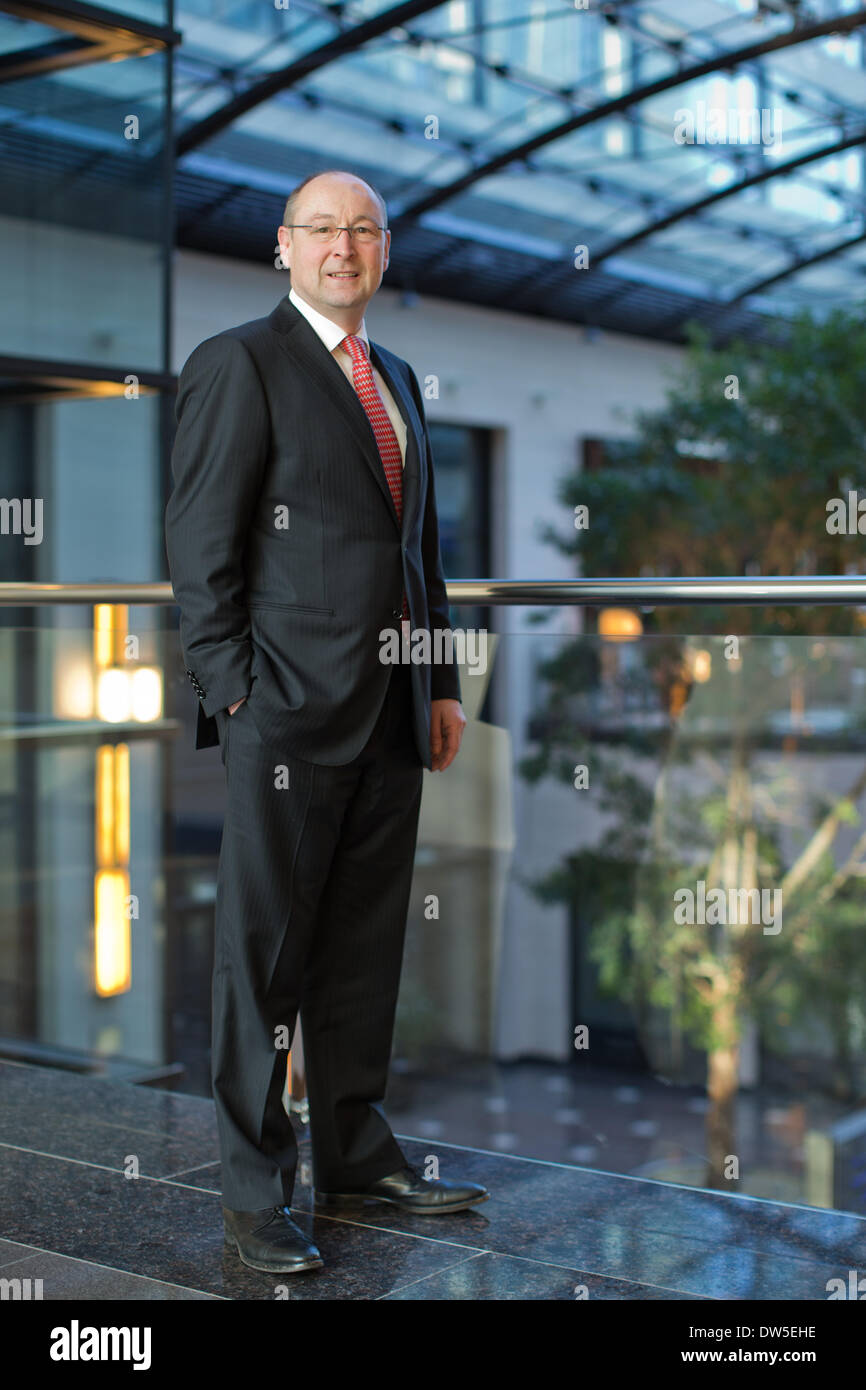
(301, 530)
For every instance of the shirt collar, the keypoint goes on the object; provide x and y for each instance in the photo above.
(330, 333)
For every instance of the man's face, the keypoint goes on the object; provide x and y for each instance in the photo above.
(339, 278)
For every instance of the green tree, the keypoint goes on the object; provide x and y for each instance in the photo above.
(732, 476)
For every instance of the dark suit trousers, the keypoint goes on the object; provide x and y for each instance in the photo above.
(312, 895)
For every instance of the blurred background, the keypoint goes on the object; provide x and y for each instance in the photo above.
(627, 266)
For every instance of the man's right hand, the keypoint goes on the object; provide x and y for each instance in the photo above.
(237, 704)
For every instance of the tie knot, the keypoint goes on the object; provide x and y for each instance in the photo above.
(355, 347)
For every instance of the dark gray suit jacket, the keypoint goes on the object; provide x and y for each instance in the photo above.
(290, 616)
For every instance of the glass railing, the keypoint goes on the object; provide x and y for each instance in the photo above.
(636, 933)
(86, 208)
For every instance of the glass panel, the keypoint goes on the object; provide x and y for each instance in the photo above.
(82, 740)
(20, 35)
(479, 79)
(462, 455)
(648, 879)
(84, 477)
(83, 215)
(153, 11)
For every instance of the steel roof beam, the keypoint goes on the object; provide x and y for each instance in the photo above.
(840, 24)
(802, 263)
(98, 36)
(346, 42)
(699, 205)
(764, 175)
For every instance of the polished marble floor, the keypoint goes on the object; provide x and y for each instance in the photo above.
(111, 1191)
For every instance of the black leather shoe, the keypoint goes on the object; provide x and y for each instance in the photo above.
(268, 1239)
(407, 1189)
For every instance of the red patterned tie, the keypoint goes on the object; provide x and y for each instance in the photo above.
(386, 439)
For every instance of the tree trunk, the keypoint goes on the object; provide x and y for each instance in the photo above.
(722, 1086)
(737, 859)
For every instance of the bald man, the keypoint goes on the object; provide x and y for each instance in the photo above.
(302, 536)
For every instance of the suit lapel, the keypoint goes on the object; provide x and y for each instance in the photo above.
(304, 346)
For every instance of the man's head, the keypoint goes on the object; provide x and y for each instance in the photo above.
(340, 277)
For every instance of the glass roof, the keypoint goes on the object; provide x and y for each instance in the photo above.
(482, 77)
(504, 133)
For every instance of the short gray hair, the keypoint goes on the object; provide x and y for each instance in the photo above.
(292, 200)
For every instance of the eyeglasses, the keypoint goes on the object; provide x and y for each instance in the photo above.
(328, 231)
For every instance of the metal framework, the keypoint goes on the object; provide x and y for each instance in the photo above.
(802, 263)
(98, 35)
(442, 249)
(719, 62)
(347, 42)
(661, 224)
(787, 590)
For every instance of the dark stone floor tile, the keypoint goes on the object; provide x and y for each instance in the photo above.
(161, 1230)
(707, 1244)
(208, 1177)
(101, 1121)
(10, 1252)
(541, 1216)
(494, 1277)
(66, 1279)
(766, 1227)
(769, 1227)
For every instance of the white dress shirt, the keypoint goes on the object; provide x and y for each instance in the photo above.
(332, 336)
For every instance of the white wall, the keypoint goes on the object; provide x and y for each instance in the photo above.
(542, 386)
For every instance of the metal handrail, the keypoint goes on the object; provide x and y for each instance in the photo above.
(643, 593)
